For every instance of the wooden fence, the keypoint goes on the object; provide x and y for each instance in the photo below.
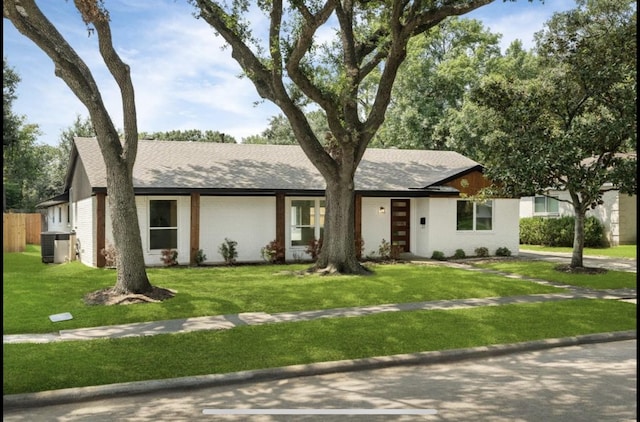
(19, 230)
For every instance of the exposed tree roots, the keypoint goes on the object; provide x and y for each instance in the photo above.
(111, 297)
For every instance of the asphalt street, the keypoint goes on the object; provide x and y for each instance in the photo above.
(591, 382)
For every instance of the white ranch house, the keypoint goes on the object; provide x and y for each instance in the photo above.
(190, 196)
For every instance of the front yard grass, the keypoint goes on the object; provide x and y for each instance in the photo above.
(33, 291)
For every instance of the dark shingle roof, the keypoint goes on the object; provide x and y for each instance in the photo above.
(207, 165)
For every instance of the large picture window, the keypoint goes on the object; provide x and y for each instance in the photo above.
(307, 221)
(163, 224)
(545, 205)
(474, 215)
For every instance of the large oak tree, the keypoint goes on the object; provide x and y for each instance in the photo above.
(119, 154)
(292, 67)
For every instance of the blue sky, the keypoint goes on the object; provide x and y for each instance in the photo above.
(182, 76)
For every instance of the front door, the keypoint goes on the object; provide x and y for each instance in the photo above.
(400, 224)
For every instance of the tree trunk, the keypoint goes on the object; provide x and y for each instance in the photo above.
(131, 272)
(338, 253)
(578, 238)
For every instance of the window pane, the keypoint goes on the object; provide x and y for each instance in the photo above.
(304, 235)
(484, 216)
(163, 239)
(301, 212)
(163, 213)
(540, 204)
(323, 211)
(552, 204)
(464, 215)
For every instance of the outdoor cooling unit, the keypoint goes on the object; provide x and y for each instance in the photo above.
(54, 247)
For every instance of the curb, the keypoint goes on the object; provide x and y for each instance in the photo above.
(72, 395)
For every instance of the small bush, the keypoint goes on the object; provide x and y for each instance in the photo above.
(459, 254)
(110, 256)
(438, 255)
(228, 251)
(313, 248)
(273, 252)
(169, 257)
(359, 246)
(395, 251)
(482, 251)
(384, 249)
(200, 257)
(503, 252)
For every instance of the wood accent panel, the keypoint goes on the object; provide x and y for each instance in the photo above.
(471, 183)
(195, 228)
(358, 224)
(100, 228)
(280, 226)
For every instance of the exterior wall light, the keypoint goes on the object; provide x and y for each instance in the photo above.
(381, 210)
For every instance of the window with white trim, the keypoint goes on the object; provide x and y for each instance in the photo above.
(545, 205)
(163, 224)
(307, 221)
(474, 216)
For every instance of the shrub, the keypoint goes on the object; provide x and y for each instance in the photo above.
(438, 255)
(482, 251)
(459, 254)
(110, 256)
(228, 251)
(273, 252)
(503, 252)
(532, 230)
(384, 249)
(313, 248)
(200, 257)
(359, 246)
(560, 231)
(395, 251)
(169, 257)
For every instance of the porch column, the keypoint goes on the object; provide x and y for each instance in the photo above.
(280, 227)
(195, 228)
(358, 225)
(100, 228)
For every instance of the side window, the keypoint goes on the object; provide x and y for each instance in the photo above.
(545, 205)
(474, 215)
(307, 221)
(163, 224)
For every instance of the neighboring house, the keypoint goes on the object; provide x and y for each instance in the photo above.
(190, 196)
(618, 213)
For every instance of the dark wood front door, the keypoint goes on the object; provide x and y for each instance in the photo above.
(400, 224)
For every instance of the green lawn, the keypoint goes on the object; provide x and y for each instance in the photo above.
(622, 251)
(33, 291)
